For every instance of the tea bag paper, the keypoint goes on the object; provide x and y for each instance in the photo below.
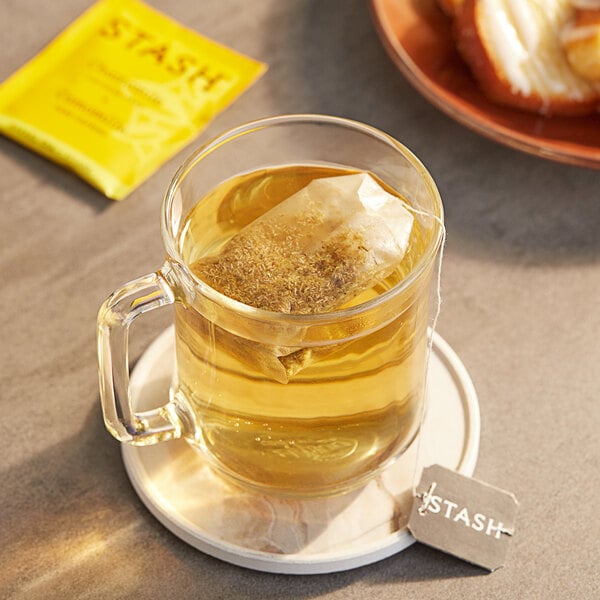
(312, 253)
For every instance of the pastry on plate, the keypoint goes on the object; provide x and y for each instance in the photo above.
(581, 39)
(515, 51)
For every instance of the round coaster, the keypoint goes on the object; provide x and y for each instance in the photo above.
(283, 535)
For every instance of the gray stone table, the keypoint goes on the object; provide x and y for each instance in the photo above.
(521, 289)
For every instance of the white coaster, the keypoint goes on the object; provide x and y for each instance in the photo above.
(282, 535)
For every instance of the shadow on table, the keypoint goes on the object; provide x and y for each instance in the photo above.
(501, 204)
(47, 172)
(66, 512)
(71, 521)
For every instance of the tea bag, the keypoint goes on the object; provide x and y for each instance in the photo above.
(312, 253)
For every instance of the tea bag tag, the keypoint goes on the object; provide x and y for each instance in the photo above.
(464, 517)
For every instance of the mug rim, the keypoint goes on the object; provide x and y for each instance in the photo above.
(253, 312)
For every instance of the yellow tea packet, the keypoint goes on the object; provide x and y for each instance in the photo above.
(119, 91)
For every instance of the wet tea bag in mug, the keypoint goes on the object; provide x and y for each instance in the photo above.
(312, 253)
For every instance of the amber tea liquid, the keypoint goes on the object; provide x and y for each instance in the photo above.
(354, 406)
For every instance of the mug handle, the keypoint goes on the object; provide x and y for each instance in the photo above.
(115, 316)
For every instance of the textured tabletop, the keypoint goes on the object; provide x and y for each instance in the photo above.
(521, 296)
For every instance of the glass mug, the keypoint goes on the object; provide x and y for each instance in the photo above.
(357, 401)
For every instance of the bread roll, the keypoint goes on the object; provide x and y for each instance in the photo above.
(581, 39)
(514, 50)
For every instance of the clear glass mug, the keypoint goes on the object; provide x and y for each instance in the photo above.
(358, 402)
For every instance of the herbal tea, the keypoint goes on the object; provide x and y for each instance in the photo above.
(325, 412)
(301, 294)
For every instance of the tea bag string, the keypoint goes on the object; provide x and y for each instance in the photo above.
(434, 320)
(436, 313)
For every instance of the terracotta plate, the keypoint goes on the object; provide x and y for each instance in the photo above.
(418, 37)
